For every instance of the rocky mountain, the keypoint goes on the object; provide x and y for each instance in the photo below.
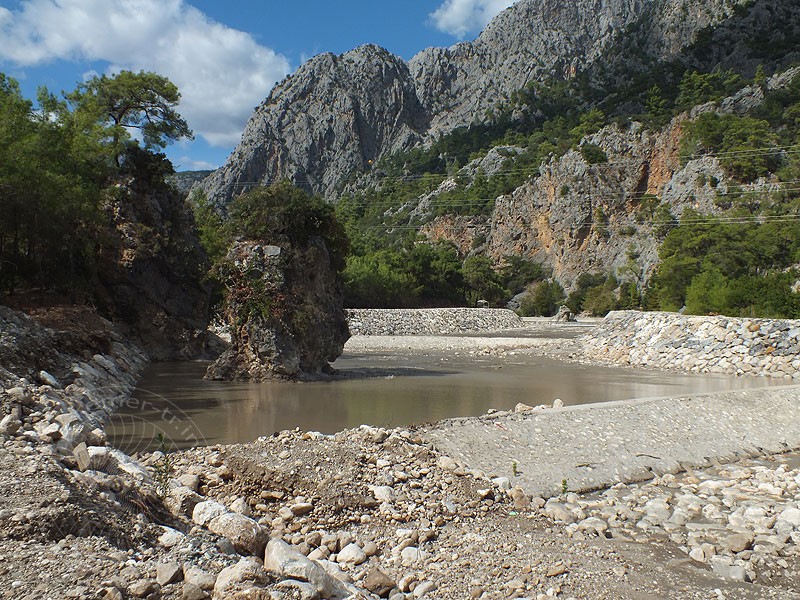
(577, 217)
(337, 115)
(184, 181)
(333, 117)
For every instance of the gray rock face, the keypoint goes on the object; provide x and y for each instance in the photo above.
(337, 113)
(284, 311)
(334, 116)
(527, 42)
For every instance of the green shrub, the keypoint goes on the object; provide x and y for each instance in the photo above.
(599, 301)
(543, 301)
(593, 154)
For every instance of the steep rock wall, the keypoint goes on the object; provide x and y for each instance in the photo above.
(578, 217)
(334, 115)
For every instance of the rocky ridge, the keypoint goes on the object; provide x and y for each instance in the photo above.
(338, 114)
(578, 217)
(335, 115)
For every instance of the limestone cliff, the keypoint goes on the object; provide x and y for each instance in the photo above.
(336, 115)
(581, 218)
(151, 269)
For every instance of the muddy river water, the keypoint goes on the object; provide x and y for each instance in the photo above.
(384, 389)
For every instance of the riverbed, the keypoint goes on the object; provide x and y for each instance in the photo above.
(419, 380)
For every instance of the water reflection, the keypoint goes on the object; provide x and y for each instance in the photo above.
(380, 390)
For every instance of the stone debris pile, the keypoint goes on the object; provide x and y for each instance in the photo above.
(712, 344)
(741, 520)
(430, 321)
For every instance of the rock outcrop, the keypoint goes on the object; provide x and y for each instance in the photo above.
(530, 41)
(151, 271)
(336, 115)
(578, 217)
(284, 311)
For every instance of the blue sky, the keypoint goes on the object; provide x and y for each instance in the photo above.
(224, 56)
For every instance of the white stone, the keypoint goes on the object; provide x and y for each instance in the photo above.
(351, 554)
(246, 535)
(790, 516)
(284, 561)
(411, 555)
(382, 493)
(246, 574)
(504, 483)
(206, 510)
(423, 588)
(170, 537)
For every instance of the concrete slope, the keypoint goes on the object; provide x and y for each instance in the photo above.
(598, 445)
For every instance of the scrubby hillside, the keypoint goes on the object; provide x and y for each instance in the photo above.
(562, 144)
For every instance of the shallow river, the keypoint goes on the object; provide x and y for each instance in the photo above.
(383, 389)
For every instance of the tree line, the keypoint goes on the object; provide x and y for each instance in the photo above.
(59, 160)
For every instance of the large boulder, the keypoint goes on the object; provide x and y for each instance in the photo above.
(284, 310)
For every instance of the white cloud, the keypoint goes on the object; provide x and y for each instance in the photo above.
(459, 17)
(222, 73)
(186, 163)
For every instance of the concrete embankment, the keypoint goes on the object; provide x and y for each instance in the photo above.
(712, 344)
(598, 445)
(430, 321)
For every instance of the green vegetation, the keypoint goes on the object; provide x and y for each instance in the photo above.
(58, 164)
(415, 275)
(593, 154)
(736, 268)
(740, 142)
(543, 301)
(277, 214)
(163, 467)
(115, 105)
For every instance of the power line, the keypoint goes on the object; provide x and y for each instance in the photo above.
(753, 152)
(699, 220)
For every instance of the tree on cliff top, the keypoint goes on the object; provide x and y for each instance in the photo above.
(271, 213)
(143, 101)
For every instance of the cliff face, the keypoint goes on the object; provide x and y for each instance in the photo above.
(333, 117)
(150, 271)
(336, 114)
(529, 41)
(284, 309)
(581, 218)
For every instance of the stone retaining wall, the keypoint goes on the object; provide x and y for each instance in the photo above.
(69, 403)
(430, 321)
(714, 344)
